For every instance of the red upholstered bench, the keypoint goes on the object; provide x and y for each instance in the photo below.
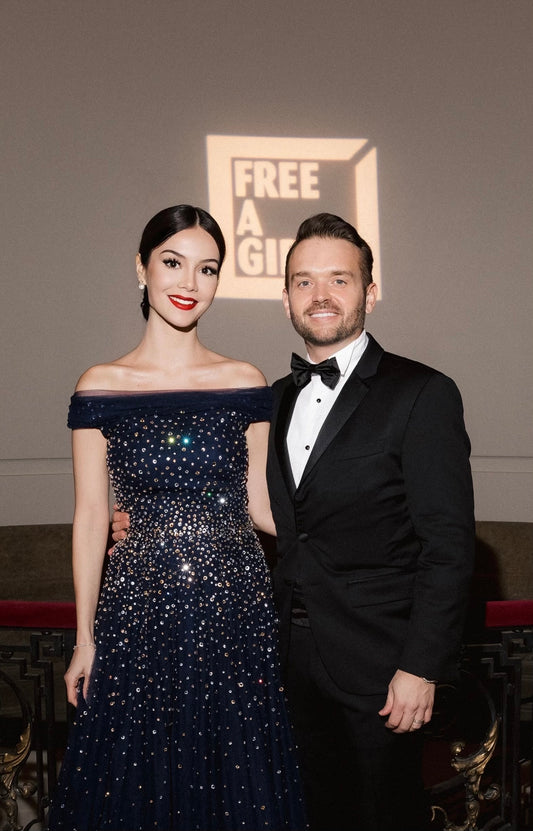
(508, 614)
(30, 614)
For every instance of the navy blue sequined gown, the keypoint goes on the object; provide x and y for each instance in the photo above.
(185, 727)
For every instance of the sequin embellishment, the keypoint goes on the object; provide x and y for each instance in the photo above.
(185, 726)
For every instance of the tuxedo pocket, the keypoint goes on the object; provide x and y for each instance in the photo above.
(369, 589)
(370, 449)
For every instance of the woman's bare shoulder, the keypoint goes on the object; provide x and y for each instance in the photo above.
(242, 374)
(101, 377)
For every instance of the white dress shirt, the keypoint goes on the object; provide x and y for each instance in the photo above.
(314, 403)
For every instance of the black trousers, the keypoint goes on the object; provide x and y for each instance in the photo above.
(357, 775)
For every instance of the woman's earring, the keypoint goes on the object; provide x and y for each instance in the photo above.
(142, 286)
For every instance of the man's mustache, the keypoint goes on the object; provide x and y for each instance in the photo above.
(321, 306)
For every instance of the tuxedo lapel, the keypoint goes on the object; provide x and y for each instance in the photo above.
(347, 403)
(284, 414)
(349, 399)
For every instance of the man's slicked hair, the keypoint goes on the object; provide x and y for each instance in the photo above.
(329, 226)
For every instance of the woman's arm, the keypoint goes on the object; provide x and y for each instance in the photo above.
(258, 500)
(89, 537)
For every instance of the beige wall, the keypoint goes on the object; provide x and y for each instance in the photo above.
(106, 106)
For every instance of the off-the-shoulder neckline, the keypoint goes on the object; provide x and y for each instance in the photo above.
(125, 393)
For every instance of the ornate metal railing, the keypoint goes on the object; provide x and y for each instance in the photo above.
(489, 761)
(480, 729)
(30, 665)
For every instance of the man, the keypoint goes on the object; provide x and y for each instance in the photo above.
(371, 493)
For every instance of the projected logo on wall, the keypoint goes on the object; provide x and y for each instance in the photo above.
(261, 188)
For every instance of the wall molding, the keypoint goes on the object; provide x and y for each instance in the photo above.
(53, 466)
(35, 467)
(502, 464)
(40, 491)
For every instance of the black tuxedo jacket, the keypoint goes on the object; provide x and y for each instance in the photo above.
(380, 531)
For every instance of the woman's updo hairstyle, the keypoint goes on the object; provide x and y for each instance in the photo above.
(170, 221)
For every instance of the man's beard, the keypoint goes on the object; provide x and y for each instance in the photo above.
(344, 330)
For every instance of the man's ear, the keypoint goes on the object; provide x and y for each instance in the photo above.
(371, 297)
(285, 299)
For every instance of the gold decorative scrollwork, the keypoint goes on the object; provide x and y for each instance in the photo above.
(12, 761)
(472, 768)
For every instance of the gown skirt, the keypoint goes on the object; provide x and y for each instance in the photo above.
(185, 725)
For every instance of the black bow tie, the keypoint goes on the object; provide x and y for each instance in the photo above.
(302, 370)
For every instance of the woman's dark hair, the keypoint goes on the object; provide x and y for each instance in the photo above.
(170, 221)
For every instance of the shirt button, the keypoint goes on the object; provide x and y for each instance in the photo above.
(303, 537)
(318, 401)
(307, 446)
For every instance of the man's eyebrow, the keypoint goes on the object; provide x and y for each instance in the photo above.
(331, 271)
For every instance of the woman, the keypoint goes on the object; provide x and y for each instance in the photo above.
(181, 720)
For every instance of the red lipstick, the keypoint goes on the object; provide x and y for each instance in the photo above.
(183, 303)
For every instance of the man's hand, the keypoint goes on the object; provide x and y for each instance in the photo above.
(409, 702)
(119, 524)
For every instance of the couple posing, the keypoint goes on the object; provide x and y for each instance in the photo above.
(181, 720)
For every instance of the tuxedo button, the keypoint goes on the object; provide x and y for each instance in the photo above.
(303, 537)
